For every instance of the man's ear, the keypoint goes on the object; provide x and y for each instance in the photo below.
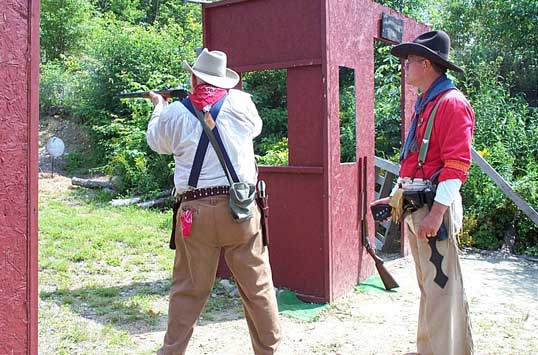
(426, 63)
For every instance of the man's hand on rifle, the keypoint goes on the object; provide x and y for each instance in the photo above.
(381, 201)
(432, 222)
(158, 99)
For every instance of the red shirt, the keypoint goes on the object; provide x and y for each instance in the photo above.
(450, 140)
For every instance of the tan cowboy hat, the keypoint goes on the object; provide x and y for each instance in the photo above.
(210, 66)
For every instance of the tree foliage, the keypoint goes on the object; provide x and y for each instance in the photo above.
(500, 31)
(65, 27)
(269, 93)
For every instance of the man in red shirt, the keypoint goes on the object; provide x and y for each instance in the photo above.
(441, 168)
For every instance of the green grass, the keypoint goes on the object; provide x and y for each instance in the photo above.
(88, 237)
(105, 275)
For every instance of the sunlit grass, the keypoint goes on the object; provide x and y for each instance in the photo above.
(87, 236)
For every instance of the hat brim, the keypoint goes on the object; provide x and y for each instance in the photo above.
(227, 82)
(405, 49)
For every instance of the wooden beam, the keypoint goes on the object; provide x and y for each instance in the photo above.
(504, 186)
(387, 166)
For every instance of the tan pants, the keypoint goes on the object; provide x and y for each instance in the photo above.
(444, 327)
(195, 267)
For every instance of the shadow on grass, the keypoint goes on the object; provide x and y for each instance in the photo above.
(138, 307)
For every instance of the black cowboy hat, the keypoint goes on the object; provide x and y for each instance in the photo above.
(434, 45)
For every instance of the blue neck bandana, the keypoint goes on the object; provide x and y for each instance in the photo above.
(440, 85)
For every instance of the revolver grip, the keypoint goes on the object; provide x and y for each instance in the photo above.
(442, 233)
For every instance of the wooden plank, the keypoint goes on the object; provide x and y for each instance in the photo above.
(504, 186)
(380, 180)
(390, 233)
(388, 184)
(387, 165)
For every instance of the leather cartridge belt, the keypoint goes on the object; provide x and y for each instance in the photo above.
(191, 195)
(409, 184)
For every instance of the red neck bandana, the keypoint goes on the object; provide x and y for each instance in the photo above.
(205, 94)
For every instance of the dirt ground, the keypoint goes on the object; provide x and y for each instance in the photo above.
(503, 296)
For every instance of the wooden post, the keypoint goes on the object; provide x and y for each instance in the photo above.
(19, 89)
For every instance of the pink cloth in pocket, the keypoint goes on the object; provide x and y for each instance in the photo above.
(186, 222)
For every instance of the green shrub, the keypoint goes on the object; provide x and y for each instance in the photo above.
(527, 231)
(469, 224)
(135, 168)
(388, 120)
(276, 154)
(275, 129)
(347, 114)
(130, 58)
(269, 92)
(505, 137)
(65, 27)
(61, 82)
(125, 58)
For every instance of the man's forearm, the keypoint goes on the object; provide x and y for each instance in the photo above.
(438, 210)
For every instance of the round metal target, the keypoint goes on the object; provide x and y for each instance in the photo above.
(55, 147)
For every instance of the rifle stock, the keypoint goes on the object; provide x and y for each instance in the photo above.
(386, 277)
(178, 93)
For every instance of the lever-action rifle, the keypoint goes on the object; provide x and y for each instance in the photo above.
(386, 277)
(178, 93)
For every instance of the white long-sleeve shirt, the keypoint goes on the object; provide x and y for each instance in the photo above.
(173, 129)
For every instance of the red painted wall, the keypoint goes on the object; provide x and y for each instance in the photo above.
(351, 29)
(19, 72)
(315, 246)
(265, 34)
(259, 35)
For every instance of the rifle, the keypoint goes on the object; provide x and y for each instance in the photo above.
(179, 93)
(386, 277)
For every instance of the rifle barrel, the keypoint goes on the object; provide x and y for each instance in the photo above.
(179, 93)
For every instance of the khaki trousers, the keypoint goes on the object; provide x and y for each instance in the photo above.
(195, 267)
(444, 326)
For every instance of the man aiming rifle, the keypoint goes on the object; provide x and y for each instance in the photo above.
(205, 223)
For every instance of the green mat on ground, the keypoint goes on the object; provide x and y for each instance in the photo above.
(290, 305)
(373, 283)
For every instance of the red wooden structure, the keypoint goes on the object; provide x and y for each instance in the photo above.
(315, 246)
(19, 89)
